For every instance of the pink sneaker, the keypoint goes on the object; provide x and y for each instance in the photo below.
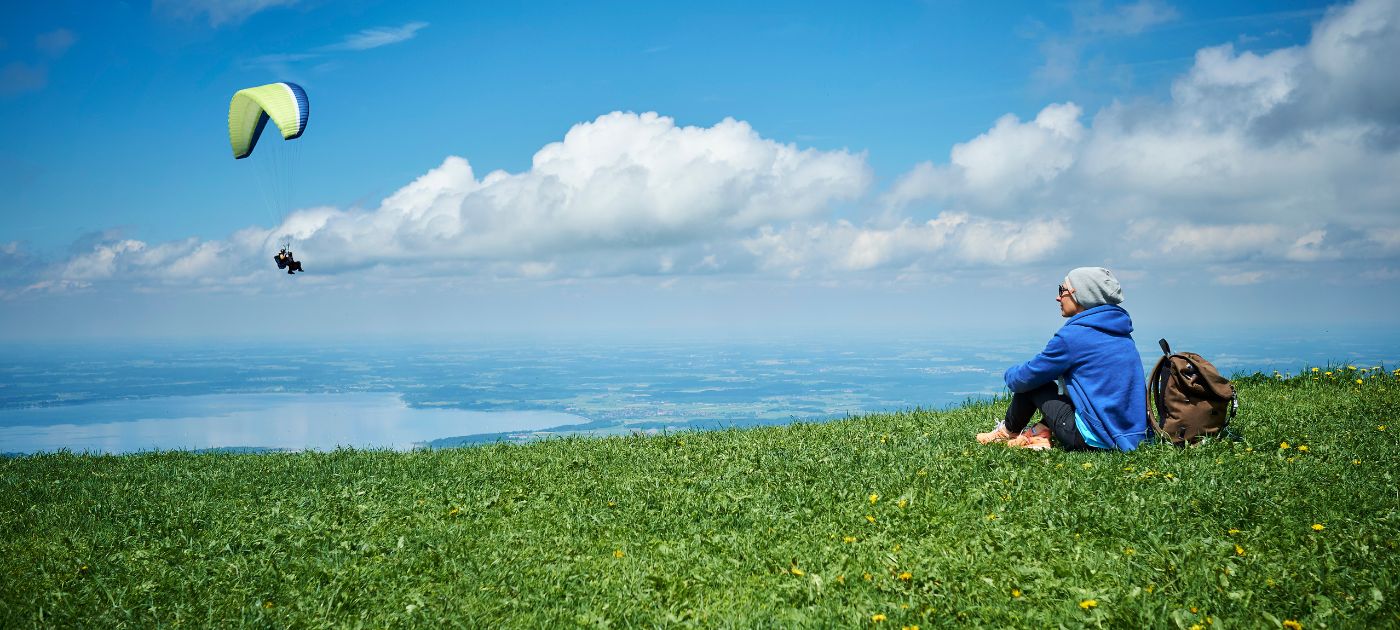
(999, 434)
(1036, 438)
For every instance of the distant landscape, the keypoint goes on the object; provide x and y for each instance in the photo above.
(132, 397)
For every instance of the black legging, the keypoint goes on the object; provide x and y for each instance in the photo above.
(1057, 411)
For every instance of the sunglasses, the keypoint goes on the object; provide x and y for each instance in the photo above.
(1061, 291)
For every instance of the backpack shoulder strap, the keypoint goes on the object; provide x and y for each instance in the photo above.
(1155, 403)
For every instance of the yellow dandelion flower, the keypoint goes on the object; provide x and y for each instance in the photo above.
(906, 576)
(1193, 610)
(1239, 551)
(1086, 465)
(849, 539)
(1380, 428)
(908, 627)
(454, 511)
(796, 571)
(267, 604)
(878, 617)
(1356, 462)
(1197, 626)
(1233, 531)
(1129, 551)
(1088, 603)
(1302, 448)
(1327, 373)
(1269, 582)
(1317, 527)
(1015, 592)
(841, 579)
(874, 498)
(870, 518)
(1314, 369)
(1359, 381)
(921, 472)
(617, 553)
(868, 577)
(1283, 446)
(1151, 588)
(902, 503)
(991, 517)
(1292, 625)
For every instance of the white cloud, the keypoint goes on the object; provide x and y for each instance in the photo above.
(1227, 89)
(1237, 165)
(379, 36)
(1265, 155)
(101, 262)
(950, 241)
(613, 197)
(218, 12)
(1127, 19)
(623, 181)
(1309, 248)
(1092, 23)
(1240, 279)
(366, 39)
(999, 166)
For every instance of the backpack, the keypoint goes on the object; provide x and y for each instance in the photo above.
(1187, 398)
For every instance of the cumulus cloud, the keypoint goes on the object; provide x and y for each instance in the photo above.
(625, 193)
(1237, 172)
(621, 182)
(1275, 156)
(950, 241)
(1002, 165)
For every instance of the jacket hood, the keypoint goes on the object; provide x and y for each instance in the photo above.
(1109, 318)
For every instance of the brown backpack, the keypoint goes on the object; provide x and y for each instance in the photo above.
(1188, 399)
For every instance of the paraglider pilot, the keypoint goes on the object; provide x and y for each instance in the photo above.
(285, 261)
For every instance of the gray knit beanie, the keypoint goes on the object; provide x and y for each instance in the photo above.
(1094, 286)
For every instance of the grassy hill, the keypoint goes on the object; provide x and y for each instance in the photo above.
(885, 521)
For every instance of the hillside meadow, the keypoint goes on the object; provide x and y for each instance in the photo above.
(885, 521)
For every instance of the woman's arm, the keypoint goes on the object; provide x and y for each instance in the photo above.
(1045, 367)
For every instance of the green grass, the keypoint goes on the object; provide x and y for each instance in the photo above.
(763, 527)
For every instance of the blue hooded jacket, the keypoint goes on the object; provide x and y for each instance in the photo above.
(1095, 354)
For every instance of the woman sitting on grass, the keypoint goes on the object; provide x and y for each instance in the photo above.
(1101, 400)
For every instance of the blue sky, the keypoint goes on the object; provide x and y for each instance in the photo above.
(696, 166)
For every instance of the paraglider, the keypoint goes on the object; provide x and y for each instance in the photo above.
(285, 261)
(286, 105)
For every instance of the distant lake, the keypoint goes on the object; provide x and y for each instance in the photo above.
(261, 421)
(126, 398)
